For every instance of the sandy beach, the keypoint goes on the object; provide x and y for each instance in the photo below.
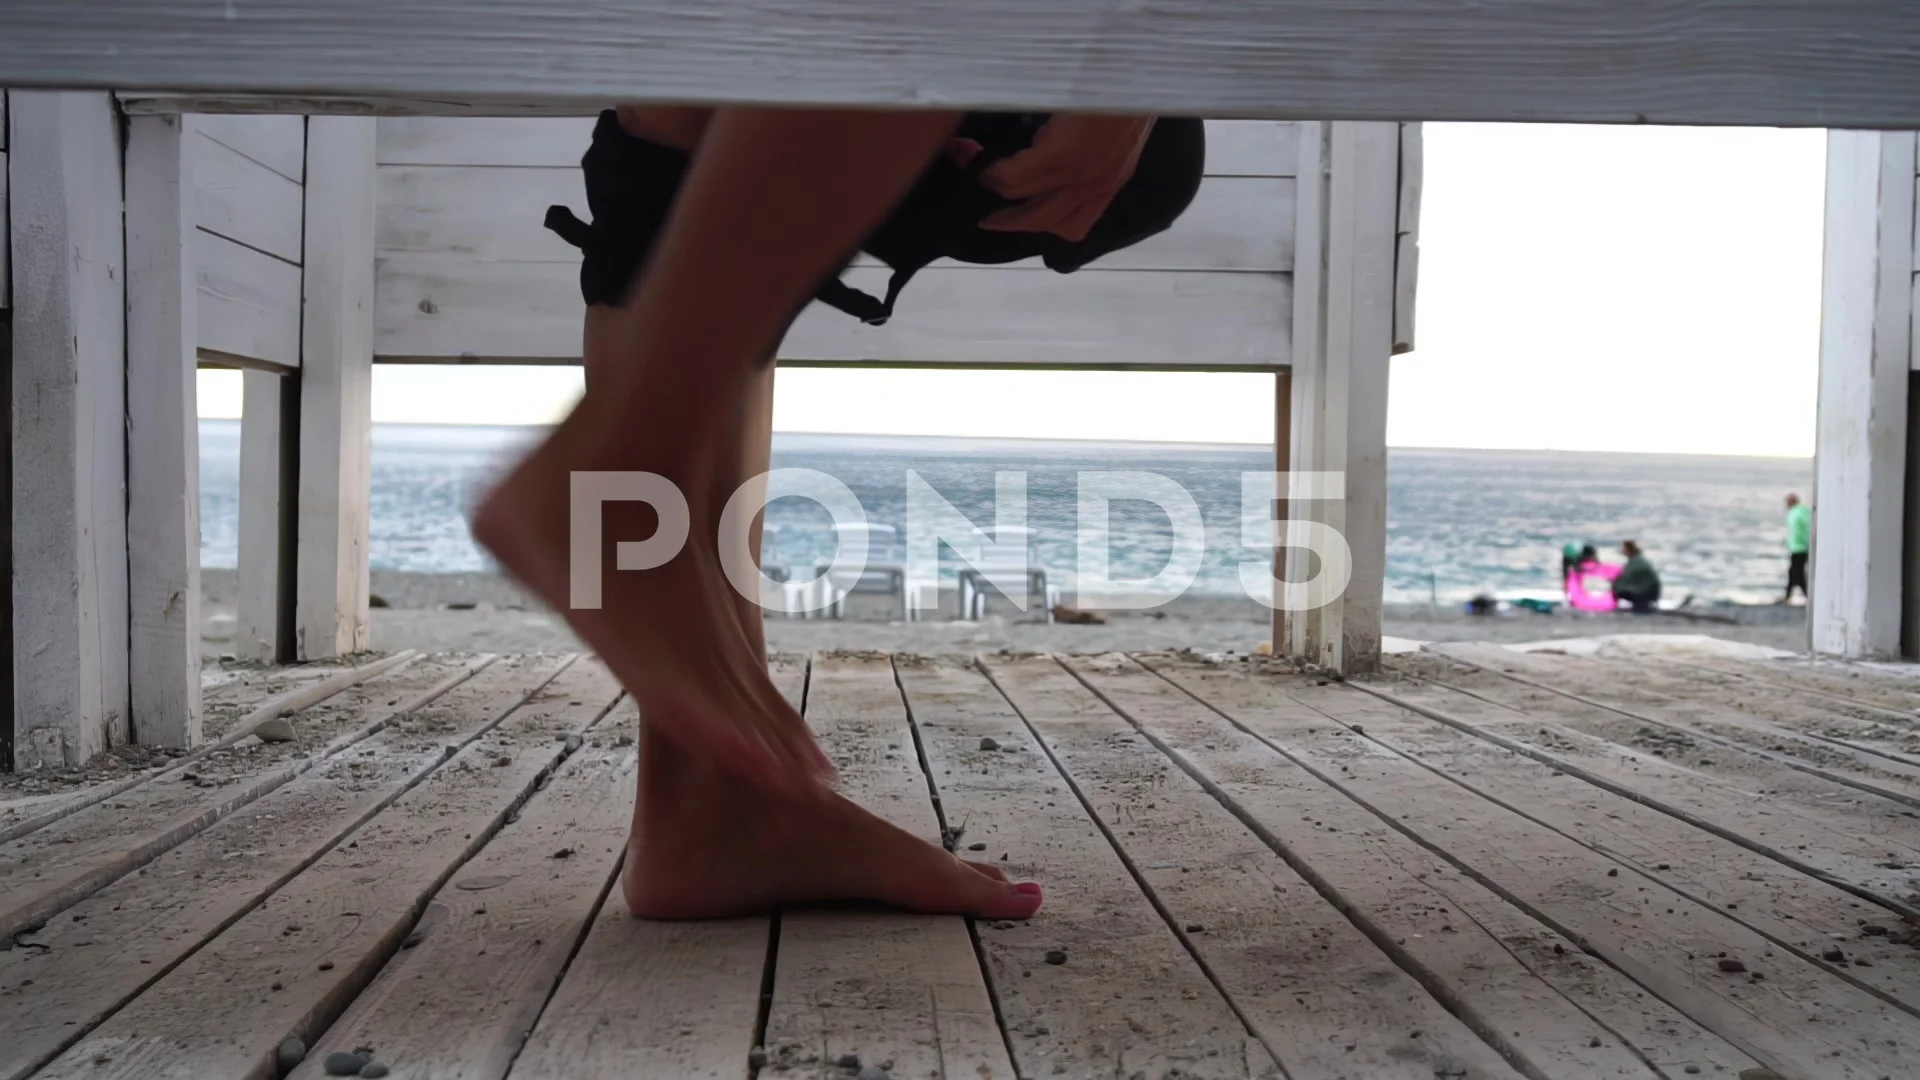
(487, 613)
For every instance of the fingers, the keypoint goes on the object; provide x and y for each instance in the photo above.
(988, 869)
(1069, 214)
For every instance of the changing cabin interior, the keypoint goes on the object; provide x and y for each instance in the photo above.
(1467, 861)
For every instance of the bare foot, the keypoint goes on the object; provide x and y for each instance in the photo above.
(673, 635)
(702, 847)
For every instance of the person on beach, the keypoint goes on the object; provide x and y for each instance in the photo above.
(712, 229)
(1799, 543)
(1638, 586)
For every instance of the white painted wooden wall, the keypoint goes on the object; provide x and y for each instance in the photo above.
(467, 271)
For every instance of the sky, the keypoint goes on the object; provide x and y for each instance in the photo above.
(1581, 288)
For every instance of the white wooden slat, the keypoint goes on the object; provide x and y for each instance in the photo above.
(278, 142)
(496, 214)
(444, 308)
(1341, 382)
(3, 119)
(163, 441)
(249, 303)
(1789, 62)
(435, 140)
(1234, 147)
(336, 390)
(243, 200)
(1865, 358)
(69, 428)
(263, 609)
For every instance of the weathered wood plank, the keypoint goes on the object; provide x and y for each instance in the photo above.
(1660, 938)
(6, 250)
(1345, 328)
(1702, 722)
(886, 986)
(278, 142)
(249, 303)
(1796, 912)
(1852, 684)
(1790, 63)
(244, 200)
(1852, 854)
(336, 389)
(48, 870)
(163, 434)
(269, 481)
(434, 307)
(1340, 1012)
(461, 1003)
(219, 1012)
(494, 214)
(1518, 983)
(109, 948)
(1865, 364)
(697, 1014)
(224, 704)
(68, 376)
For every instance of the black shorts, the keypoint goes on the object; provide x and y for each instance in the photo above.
(632, 182)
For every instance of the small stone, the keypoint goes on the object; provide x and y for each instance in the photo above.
(574, 742)
(1693, 1068)
(1056, 957)
(1449, 1066)
(413, 938)
(1760, 1073)
(874, 1072)
(1732, 966)
(757, 1058)
(342, 1063)
(1874, 931)
(1614, 872)
(848, 1061)
(1195, 928)
(502, 761)
(277, 729)
(564, 853)
(988, 742)
(980, 846)
(1357, 729)
(374, 1068)
(326, 965)
(1594, 1042)
(1833, 956)
(289, 1053)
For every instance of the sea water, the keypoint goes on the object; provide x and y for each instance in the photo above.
(1459, 522)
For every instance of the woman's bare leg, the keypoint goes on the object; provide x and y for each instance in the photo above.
(739, 258)
(705, 844)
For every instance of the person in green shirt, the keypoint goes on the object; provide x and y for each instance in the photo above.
(1638, 586)
(1799, 542)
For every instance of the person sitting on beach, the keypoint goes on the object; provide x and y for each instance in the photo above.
(712, 229)
(1638, 586)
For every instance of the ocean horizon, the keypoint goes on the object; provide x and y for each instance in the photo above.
(1459, 522)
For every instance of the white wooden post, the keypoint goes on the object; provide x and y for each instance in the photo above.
(336, 386)
(163, 442)
(1343, 337)
(269, 447)
(69, 440)
(1866, 328)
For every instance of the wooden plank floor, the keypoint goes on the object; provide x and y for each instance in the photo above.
(1478, 864)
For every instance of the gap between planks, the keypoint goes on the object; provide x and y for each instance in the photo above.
(291, 965)
(93, 847)
(131, 934)
(295, 699)
(1564, 885)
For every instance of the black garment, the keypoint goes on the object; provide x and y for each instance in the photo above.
(1640, 603)
(1796, 573)
(632, 182)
